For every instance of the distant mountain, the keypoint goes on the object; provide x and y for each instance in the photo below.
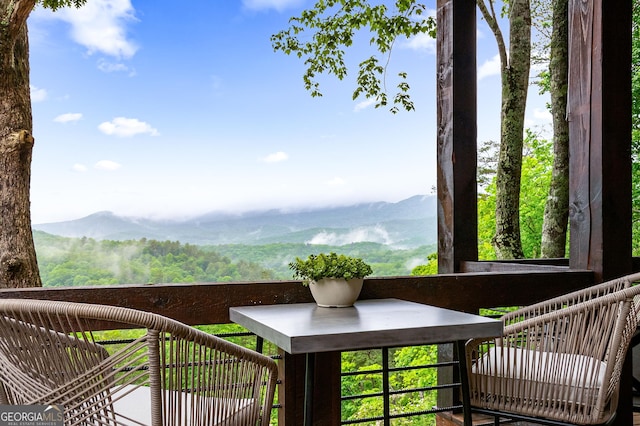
(408, 223)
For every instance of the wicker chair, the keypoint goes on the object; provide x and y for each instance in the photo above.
(559, 361)
(172, 375)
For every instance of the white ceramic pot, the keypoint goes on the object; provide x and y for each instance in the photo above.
(336, 293)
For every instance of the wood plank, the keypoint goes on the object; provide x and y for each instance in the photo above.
(472, 291)
(457, 134)
(508, 266)
(599, 114)
(209, 303)
(579, 117)
(615, 137)
(291, 372)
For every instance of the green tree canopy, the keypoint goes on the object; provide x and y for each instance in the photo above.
(321, 35)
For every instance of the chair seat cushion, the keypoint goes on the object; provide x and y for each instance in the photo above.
(133, 407)
(537, 375)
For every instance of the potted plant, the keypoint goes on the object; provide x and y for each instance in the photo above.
(335, 280)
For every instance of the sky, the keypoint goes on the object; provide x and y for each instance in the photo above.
(169, 110)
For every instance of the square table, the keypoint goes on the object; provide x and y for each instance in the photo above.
(305, 328)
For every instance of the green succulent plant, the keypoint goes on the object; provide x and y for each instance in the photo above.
(331, 265)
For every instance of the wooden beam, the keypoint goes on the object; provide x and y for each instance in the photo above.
(209, 303)
(291, 372)
(508, 266)
(599, 114)
(457, 134)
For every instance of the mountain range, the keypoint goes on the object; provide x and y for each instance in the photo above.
(406, 224)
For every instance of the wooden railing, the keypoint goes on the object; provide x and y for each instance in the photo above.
(209, 303)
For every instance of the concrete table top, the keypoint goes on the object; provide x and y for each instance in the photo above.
(306, 328)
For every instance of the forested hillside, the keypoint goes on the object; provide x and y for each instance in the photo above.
(384, 260)
(85, 261)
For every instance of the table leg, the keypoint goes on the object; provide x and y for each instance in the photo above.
(464, 383)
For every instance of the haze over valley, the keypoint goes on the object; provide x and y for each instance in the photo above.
(408, 223)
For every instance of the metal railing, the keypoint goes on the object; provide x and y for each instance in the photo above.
(388, 392)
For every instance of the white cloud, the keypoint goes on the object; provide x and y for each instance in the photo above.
(364, 104)
(276, 157)
(489, 68)
(421, 42)
(100, 26)
(416, 261)
(37, 95)
(127, 127)
(376, 234)
(68, 117)
(107, 165)
(81, 168)
(278, 5)
(106, 66)
(336, 181)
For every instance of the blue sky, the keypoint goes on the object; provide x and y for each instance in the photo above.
(165, 109)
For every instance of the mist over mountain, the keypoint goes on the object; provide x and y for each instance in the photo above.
(407, 223)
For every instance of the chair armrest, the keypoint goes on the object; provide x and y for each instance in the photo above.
(560, 302)
(570, 330)
(204, 376)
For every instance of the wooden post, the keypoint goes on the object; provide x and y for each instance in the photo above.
(457, 150)
(457, 134)
(599, 114)
(291, 392)
(291, 389)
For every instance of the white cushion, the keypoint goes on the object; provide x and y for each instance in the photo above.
(134, 403)
(518, 372)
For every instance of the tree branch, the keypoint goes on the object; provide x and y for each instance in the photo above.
(492, 21)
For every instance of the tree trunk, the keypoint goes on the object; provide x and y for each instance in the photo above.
(515, 84)
(18, 265)
(556, 212)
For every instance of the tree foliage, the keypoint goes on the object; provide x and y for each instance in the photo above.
(87, 262)
(322, 34)
(431, 268)
(384, 261)
(537, 168)
(635, 78)
(57, 4)
(366, 379)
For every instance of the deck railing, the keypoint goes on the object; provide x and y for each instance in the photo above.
(209, 303)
